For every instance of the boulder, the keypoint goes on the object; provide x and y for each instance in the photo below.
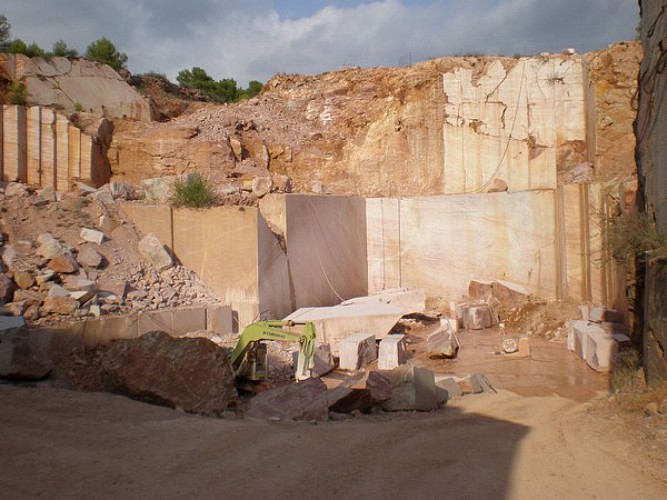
(6, 289)
(22, 356)
(63, 263)
(442, 344)
(505, 293)
(306, 400)
(24, 279)
(157, 189)
(189, 373)
(16, 189)
(89, 257)
(113, 286)
(60, 305)
(261, 186)
(380, 385)
(49, 247)
(348, 399)
(152, 249)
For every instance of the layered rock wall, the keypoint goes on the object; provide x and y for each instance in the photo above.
(42, 147)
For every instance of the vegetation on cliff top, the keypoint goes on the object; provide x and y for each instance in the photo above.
(104, 51)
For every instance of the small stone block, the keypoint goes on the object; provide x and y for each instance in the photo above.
(92, 235)
(392, 352)
(357, 350)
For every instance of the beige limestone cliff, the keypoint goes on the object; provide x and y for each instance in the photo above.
(71, 85)
(450, 125)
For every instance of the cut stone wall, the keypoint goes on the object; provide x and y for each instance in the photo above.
(546, 240)
(519, 122)
(262, 270)
(42, 147)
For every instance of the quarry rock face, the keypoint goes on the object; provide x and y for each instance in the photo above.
(408, 131)
(75, 85)
(189, 373)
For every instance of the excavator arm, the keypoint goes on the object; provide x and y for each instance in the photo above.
(273, 330)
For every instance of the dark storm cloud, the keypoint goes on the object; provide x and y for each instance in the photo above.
(256, 39)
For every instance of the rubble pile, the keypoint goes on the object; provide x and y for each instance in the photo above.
(75, 257)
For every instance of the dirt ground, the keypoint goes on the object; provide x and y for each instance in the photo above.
(550, 431)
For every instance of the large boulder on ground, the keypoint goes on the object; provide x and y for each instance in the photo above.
(22, 356)
(6, 289)
(189, 373)
(306, 400)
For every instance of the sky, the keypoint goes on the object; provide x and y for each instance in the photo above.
(256, 39)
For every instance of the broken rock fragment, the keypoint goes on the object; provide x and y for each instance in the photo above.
(152, 249)
(306, 400)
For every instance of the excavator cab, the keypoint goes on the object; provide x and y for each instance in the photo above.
(249, 358)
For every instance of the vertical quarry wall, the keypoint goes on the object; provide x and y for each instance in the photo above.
(42, 147)
(652, 155)
(312, 250)
(545, 240)
(520, 121)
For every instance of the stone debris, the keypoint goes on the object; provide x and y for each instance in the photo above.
(152, 249)
(23, 356)
(306, 400)
(392, 352)
(357, 350)
(442, 344)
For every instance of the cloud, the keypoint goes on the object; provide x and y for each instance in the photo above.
(254, 40)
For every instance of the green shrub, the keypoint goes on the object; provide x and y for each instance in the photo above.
(15, 93)
(631, 235)
(194, 192)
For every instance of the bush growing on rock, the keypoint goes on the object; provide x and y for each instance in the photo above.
(194, 192)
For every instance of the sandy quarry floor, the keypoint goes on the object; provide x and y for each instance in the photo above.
(553, 435)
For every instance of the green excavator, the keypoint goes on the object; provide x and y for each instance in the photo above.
(249, 358)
